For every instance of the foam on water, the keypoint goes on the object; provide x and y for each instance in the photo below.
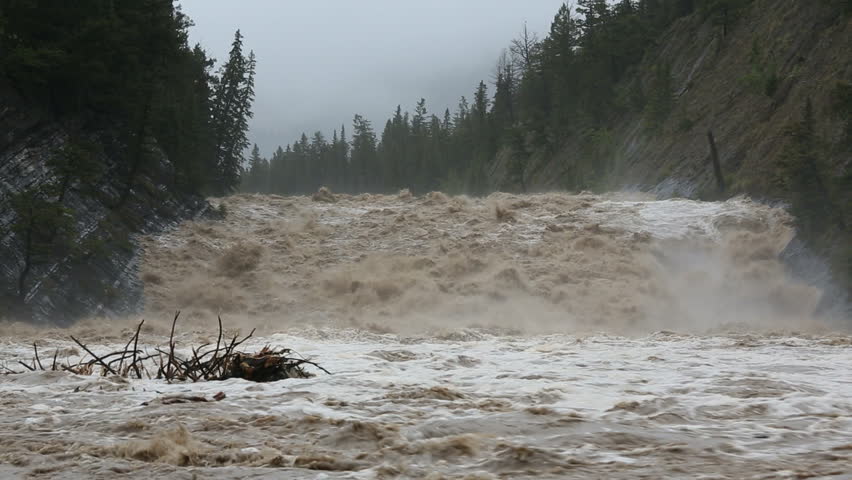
(543, 406)
(507, 337)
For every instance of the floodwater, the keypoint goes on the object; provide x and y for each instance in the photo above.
(540, 336)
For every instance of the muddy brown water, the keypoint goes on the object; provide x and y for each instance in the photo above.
(575, 336)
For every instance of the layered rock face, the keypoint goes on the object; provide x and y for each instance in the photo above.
(99, 274)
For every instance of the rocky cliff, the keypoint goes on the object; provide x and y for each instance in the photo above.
(98, 275)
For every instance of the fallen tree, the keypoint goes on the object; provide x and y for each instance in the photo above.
(204, 363)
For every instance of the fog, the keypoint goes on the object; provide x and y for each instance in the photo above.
(320, 62)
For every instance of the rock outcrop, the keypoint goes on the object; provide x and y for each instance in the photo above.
(99, 276)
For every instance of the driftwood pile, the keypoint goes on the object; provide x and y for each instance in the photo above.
(205, 363)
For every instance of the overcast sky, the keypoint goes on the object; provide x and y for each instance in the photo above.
(322, 61)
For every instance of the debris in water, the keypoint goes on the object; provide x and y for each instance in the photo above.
(503, 213)
(324, 195)
(268, 365)
(220, 363)
(173, 399)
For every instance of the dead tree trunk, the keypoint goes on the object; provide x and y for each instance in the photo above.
(717, 167)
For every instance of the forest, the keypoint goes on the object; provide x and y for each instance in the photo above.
(128, 68)
(122, 83)
(544, 91)
(571, 87)
(129, 65)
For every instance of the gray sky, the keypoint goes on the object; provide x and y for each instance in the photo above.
(322, 61)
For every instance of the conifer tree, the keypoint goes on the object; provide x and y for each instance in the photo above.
(723, 12)
(44, 229)
(419, 147)
(232, 100)
(503, 111)
(257, 177)
(342, 160)
(363, 153)
(75, 163)
(567, 86)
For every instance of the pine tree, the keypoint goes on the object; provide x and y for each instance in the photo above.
(75, 163)
(503, 111)
(723, 12)
(417, 171)
(232, 100)
(277, 172)
(44, 228)
(363, 153)
(246, 99)
(342, 160)
(319, 160)
(565, 87)
(481, 134)
(257, 177)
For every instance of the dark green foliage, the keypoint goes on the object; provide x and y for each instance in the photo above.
(77, 162)
(45, 229)
(842, 108)
(660, 97)
(122, 72)
(363, 154)
(517, 162)
(257, 178)
(233, 96)
(723, 12)
(803, 178)
(566, 87)
(685, 124)
(820, 201)
(763, 76)
(127, 67)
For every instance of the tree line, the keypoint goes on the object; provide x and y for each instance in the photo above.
(123, 70)
(569, 85)
(129, 66)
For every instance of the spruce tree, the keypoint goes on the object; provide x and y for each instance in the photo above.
(232, 100)
(338, 160)
(363, 153)
(503, 111)
(257, 177)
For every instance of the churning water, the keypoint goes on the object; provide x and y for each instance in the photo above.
(539, 336)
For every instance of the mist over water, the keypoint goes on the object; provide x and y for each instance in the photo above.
(321, 62)
(534, 336)
(554, 263)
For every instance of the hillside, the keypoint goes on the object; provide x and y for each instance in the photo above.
(717, 86)
(626, 95)
(111, 125)
(92, 269)
(749, 87)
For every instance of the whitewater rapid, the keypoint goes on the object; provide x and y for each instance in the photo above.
(539, 336)
(548, 263)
